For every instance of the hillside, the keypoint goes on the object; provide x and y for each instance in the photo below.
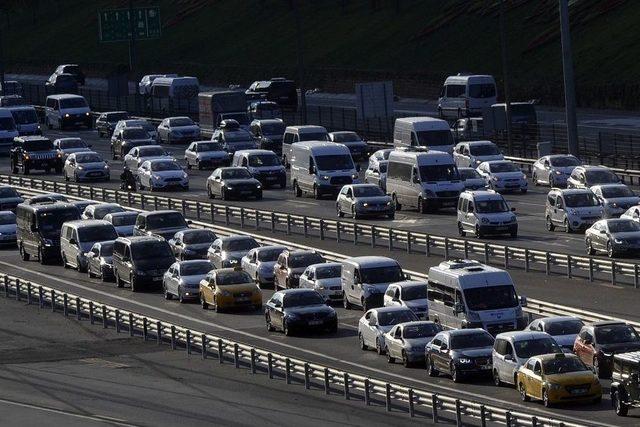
(413, 42)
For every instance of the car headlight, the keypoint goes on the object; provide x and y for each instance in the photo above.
(554, 386)
(354, 176)
(618, 241)
(524, 176)
(48, 242)
(66, 115)
(229, 187)
(292, 316)
(365, 204)
(141, 273)
(389, 203)
(106, 167)
(87, 114)
(156, 177)
(80, 167)
(319, 287)
(485, 220)
(325, 177)
(464, 360)
(184, 175)
(572, 211)
(558, 173)
(258, 186)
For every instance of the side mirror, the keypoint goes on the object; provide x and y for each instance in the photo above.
(89, 145)
(603, 231)
(587, 341)
(513, 209)
(508, 357)
(458, 308)
(372, 322)
(277, 304)
(312, 170)
(444, 347)
(634, 377)
(416, 180)
(126, 259)
(189, 222)
(73, 241)
(523, 301)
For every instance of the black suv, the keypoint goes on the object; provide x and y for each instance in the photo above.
(625, 387)
(141, 261)
(106, 122)
(34, 152)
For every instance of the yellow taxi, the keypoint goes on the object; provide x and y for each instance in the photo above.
(229, 288)
(558, 378)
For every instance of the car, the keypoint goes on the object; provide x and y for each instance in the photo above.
(485, 212)
(460, 353)
(107, 121)
(325, 278)
(34, 152)
(379, 156)
(163, 223)
(503, 175)
(614, 236)
(63, 83)
(137, 123)
(598, 342)
(241, 118)
(229, 288)
(205, 154)
(230, 182)
(66, 146)
(572, 209)
(259, 263)
(26, 119)
(86, 166)
(377, 174)
(359, 200)
(554, 170)
(376, 322)
(615, 199)
(264, 110)
(365, 279)
(192, 243)
(9, 198)
(356, 145)
(299, 310)
(100, 210)
(182, 279)
(268, 133)
(73, 70)
(65, 109)
(625, 385)
(587, 176)
(563, 329)
(472, 153)
(226, 252)
(472, 179)
(558, 378)
(233, 137)
(179, 130)
(47, 198)
(411, 294)
(277, 89)
(264, 165)
(8, 228)
(144, 86)
(12, 100)
(300, 133)
(126, 138)
(77, 237)
(138, 155)
(290, 266)
(469, 128)
(141, 261)
(407, 341)
(160, 174)
(123, 222)
(100, 260)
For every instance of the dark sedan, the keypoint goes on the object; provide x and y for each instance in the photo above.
(233, 182)
(299, 310)
(192, 243)
(460, 353)
(106, 122)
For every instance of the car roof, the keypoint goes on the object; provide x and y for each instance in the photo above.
(82, 223)
(454, 332)
(269, 247)
(306, 128)
(552, 319)
(325, 264)
(371, 259)
(296, 291)
(473, 143)
(571, 190)
(390, 309)
(138, 239)
(523, 335)
(161, 212)
(551, 356)
(253, 151)
(65, 95)
(608, 323)
(123, 213)
(234, 237)
(484, 194)
(629, 357)
(409, 283)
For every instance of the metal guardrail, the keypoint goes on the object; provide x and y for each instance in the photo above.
(592, 268)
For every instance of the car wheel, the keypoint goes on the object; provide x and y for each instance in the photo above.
(339, 212)
(478, 233)
(396, 203)
(181, 296)
(545, 399)
(210, 193)
(119, 282)
(134, 285)
(422, 208)
(66, 177)
(391, 216)
(354, 213)
(390, 359)
(223, 194)
(23, 254)
(363, 346)
(216, 307)
(64, 261)
(345, 302)
(270, 327)
(461, 231)
(619, 406)
(167, 295)
(565, 224)
(590, 250)
(523, 393)
(316, 193)
(431, 369)
(188, 165)
(81, 269)
(549, 223)
(379, 348)
(455, 375)
(203, 302)
(286, 329)
(296, 189)
(496, 378)
(523, 190)
(610, 251)
(405, 359)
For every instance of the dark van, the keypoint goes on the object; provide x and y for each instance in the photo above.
(160, 223)
(38, 229)
(141, 261)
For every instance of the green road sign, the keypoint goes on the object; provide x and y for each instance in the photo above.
(115, 25)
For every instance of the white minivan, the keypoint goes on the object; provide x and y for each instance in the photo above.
(426, 180)
(466, 95)
(321, 167)
(365, 280)
(67, 110)
(428, 132)
(8, 130)
(26, 119)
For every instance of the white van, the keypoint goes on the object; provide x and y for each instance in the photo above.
(175, 87)
(294, 134)
(466, 95)
(434, 134)
(67, 110)
(26, 119)
(426, 180)
(468, 294)
(321, 167)
(365, 280)
(8, 130)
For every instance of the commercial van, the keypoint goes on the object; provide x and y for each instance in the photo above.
(321, 167)
(26, 119)
(179, 94)
(8, 130)
(38, 229)
(365, 280)
(428, 132)
(466, 95)
(294, 134)
(425, 180)
(77, 238)
(67, 110)
(468, 294)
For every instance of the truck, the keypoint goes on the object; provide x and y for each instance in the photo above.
(214, 106)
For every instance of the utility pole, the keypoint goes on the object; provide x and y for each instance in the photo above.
(300, 48)
(131, 37)
(6, 14)
(505, 76)
(569, 84)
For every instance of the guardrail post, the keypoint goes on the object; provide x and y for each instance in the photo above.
(40, 295)
(466, 249)
(18, 289)
(257, 213)
(355, 233)
(534, 421)
(306, 375)
(635, 275)
(159, 332)
(507, 419)
(428, 245)
(591, 269)
(91, 193)
(374, 231)
(483, 416)
(338, 230)
(241, 217)
(198, 210)
(204, 345)
(409, 239)
(485, 247)
(131, 325)
(434, 407)
(326, 380)
(53, 300)
(345, 380)
(411, 409)
(321, 229)
(613, 272)
(270, 365)
(506, 257)
(173, 337)
(287, 370)
(220, 351)
(253, 360)
(188, 342)
(105, 321)
(390, 237)
(212, 211)
(169, 203)
(118, 321)
(29, 290)
(78, 306)
(569, 261)
(145, 328)
(547, 262)
(6, 286)
(156, 204)
(526, 260)
(288, 224)
(236, 355)
(273, 221)
(226, 215)
(446, 248)
(366, 391)
(387, 396)
(184, 207)
(458, 413)
(141, 200)
(91, 312)
(304, 225)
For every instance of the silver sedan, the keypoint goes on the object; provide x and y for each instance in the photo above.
(613, 236)
(554, 170)
(406, 341)
(360, 200)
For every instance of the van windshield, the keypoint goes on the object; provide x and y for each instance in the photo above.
(23, 117)
(73, 102)
(434, 173)
(485, 90)
(386, 274)
(581, 200)
(330, 272)
(484, 150)
(491, 297)
(258, 160)
(151, 250)
(334, 162)
(471, 340)
(313, 136)
(491, 206)
(50, 222)
(97, 234)
(434, 138)
(166, 220)
(528, 348)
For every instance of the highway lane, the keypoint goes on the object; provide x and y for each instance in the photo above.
(340, 351)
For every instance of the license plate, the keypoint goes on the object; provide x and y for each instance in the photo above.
(272, 178)
(157, 279)
(315, 322)
(502, 228)
(245, 192)
(448, 203)
(243, 299)
(485, 367)
(512, 186)
(579, 391)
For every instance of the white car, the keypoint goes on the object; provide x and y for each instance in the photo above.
(554, 170)
(485, 213)
(178, 130)
(123, 222)
(259, 263)
(205, 154)
(503, 175)
(472, 153)
(411, 294)
(182, 279)
(137, 123)
(8, 228)
(86, 166)
(99, 210)
(632, 213)
(160, 174)
(377, 174)
(138, 155)
(144, 86)
(615, 198)
(406, 341)
(563, 329)
(378, 321)
(324, 278)
(379, 156)
(356, 145)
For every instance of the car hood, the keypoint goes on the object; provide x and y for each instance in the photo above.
(242, 287)
(620, 348)
(375, 199)
(67, 151)
(507, 175)
(623, 201)
(629, 235)
(171, 174)
(570, 378)
(565, 169)
(418, 342)
(243, 181)
(310, 309)
(198, 247)
(185, 129)
(94, 165)
(499, 216)
(474, 352)
(192, 280)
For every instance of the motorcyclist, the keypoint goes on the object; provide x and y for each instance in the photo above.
(127, 180)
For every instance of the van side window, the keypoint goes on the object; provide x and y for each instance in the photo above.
(465, 204)
(501, 346)
(551, 200)
(454, 91)
(559, 203)
(296, 138)
(288, 138)
(389, 292)
(127, 252)
(118, 249)
(414, 140)
(50, 102)
(245, 163)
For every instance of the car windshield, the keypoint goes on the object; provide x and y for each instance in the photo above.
(6, 192)
(135, 134)
(301, 299)
(151, 250)
(491, 206)
(103, 209)
(106, 249)
(368, 191)
(236, 174)
(528, 348)
(581, 200)
(181, 121)
(613, 192)
(72, 143)
(468, 174)
(601, 176)
(89, 158)
(73, 102)
(72, 69)
(269, 255)
(346, 137)
(563, 365)
(420, 331)
(199, 268)
(484, 150)
(152, 151)
(140, 124)
(97, 233)
(616, 334)
(236, 245)
(471, 340)
(23, 117)
(7, 218)
(484, 90)
(434, 173)
(563, 162)
(166, 220)
(233, 278)
(198, 236)
(434, 138)
(121, 220)
(165, 166)
(334, 162)
(237, 136)
(51, 221)
(491, 297)
(414, 292)
(390, 318)
(209, 146)
(258, 160)
(313, 136)
(241, 118)
(116, 117)
(386, 274)
(503, 167)
(328, 272)
(563, 327)
(38, 145)
(273, 128)
(623, 226)
(304, 260)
